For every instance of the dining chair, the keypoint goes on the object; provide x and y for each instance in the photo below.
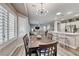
(29, 51)
(49, 36)
(48, 49)
(46, 32)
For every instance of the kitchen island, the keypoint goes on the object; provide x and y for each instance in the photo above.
(68, 39)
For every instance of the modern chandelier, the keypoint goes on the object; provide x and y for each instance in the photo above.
(42, 11)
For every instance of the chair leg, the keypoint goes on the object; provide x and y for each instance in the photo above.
(29, 52)
(26, 53)
(36, 54)
(55, 54)
(39, 53)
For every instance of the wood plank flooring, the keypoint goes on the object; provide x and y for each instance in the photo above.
(68, 51)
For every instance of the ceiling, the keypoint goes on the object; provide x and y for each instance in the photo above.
(20, 8)
(65, 10)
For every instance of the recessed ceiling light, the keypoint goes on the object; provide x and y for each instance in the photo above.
(69, 13)
(58, 13)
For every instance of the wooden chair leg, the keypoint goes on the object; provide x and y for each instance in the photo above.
(36, 54)
(29, 52)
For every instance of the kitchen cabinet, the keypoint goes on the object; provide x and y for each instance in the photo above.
(68, 39)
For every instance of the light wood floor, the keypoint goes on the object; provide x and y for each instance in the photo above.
(66, 51)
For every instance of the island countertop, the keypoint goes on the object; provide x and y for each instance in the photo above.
(66, 33)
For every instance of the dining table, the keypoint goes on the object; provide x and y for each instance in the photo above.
(35, 41)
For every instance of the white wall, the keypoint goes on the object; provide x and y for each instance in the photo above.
(44, 27)
(23, 25)
(41, 27)
(62, 27)
(55, 26)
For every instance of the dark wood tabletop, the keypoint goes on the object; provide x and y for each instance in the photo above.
(35, 41)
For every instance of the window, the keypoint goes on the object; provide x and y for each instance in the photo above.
(1, 27)
(7, 25)
(11, 26)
